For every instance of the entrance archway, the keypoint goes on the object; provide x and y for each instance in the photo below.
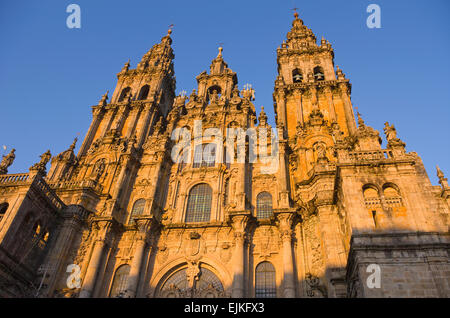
(192, 282)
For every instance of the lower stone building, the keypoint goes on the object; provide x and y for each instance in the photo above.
(198, 196)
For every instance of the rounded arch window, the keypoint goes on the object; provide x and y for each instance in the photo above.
(390, 190)
(143, 94)
(297, 76)
(199, 204)
(124, 93)
(264, 205)
(392, 196)
(138, 207)
(119, 284)
(265, 285)
(370, 192)
(37, 228)
(319, 75)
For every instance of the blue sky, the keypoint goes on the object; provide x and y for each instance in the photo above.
(50, 75)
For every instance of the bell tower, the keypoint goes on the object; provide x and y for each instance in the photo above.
(312, 98)
(141, 97)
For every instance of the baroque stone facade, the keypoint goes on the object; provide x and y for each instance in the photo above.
(137, 223)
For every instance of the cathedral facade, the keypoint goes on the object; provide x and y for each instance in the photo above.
(133, 214)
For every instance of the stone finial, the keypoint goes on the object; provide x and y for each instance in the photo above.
(442, 179)
(126, 66)
(360, 120)
(7, 161)
(74, 143)
(340, 75)
(220, 51)
(262, 117)
(440, 174)
(104, 100)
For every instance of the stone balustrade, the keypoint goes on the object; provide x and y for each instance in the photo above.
(49, 193)
(14, 178)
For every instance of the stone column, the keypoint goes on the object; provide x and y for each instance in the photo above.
(335, 255)
(124, 160)
(331, 109)
(348, 109)
(107, 122)
(133, 116)
(285, 228)
(239, 224)
(240, 191)
(143, 124)
(94, 263)
(281, 108)
(300, 115)
(282, 175)
(143, 225)
(98, 115)
(74, 217)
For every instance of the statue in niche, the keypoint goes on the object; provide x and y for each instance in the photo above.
(214, 96)
(99, 168)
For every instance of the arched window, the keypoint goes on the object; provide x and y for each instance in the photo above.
(138, 207)
(199, 203)
(120, 280)
(392, 196)
(318, 74)
(371, 196)
(37, 228)
(205, 155)
(124, 93)
(264, 205)
(143, 94)
(3, 208)
(297, 76)
(265, 286)
(372, 202)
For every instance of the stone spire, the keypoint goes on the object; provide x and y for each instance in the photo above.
(160, 56)
(300, 35)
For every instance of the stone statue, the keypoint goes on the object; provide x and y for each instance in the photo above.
(45, 158)
(7, 161)
(99, 168)
(104, 100)
(214, 96)
(390, 132)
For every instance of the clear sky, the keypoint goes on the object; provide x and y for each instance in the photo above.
(50, 75)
